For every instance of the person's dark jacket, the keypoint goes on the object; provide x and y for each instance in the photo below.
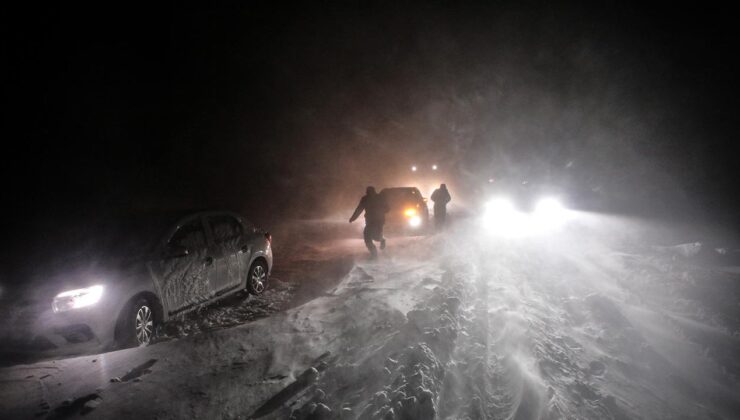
(441, 197)
(375, 207)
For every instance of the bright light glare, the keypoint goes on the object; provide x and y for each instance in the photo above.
(415, 221)
(78, 298)
(502, 218)
(434, 167)
(549, 207)
(413, 168)
(549, 214)
(410, 212)
(500, 206)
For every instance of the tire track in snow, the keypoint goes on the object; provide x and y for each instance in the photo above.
(486, 377)
(517, 355)
(399, 372)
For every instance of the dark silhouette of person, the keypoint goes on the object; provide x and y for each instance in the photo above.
(440, 197)
(375, 207)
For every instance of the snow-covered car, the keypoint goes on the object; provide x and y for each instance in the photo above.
(408, 212)
(138, 273)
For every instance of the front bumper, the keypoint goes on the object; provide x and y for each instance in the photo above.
(78, 326)
(404, 227)
(40, 329)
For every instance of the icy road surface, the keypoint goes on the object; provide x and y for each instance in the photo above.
(590, 323)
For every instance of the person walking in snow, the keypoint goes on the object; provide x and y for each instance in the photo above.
(375, 207)
(440, 197)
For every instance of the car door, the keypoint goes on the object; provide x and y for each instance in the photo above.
(226, 232)
(186, 268)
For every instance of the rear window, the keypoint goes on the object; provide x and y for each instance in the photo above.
(401, 197)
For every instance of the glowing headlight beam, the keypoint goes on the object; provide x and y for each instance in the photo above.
(77, 298)
(549, 213)
(415, 221)
(409, 212)
(502, 218)
(549, 206)
(499, 206)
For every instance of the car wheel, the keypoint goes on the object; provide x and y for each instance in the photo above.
(257, 278)
(138, 324)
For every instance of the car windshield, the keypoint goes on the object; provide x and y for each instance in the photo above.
(400, 197)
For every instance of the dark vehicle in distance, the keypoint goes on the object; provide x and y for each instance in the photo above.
(134, 274)
(408, 213)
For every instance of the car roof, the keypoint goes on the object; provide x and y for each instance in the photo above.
(401, 189)
(203, 213)
(168, 219)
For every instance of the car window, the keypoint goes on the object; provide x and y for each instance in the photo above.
(190, 236)
(401, 197)
(225, 228)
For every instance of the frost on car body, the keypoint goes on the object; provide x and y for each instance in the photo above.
(142, 281)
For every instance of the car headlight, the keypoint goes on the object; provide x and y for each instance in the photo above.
(549, 213)
(77, 298)
(415, 221)
(409, 212)
(500, 207)
(501, 217)
(549, 206)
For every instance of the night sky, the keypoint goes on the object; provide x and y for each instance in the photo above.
(291, 111)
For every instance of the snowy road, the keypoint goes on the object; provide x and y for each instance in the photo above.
(588, 324)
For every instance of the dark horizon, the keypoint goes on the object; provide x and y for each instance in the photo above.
(290, 113)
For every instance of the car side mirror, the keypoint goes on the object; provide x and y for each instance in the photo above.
(176, 251)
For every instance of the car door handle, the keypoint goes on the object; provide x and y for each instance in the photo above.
(208, 261)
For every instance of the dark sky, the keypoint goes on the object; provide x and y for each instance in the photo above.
(293, 110)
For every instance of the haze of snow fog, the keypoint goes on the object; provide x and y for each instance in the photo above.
(181, 243)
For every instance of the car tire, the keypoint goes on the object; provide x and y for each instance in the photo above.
(137, 325)
(257, 278)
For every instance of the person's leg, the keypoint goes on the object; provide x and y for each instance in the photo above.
(440, 216)
(381, 238)
(368, 236)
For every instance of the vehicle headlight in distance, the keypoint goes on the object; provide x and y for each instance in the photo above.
(500, 216)
(499, 206)
(549, 206)
(550, 212)
(415, 221)
(409, 212)
(77, 298)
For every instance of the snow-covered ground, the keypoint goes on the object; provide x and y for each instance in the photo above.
(593, 322)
